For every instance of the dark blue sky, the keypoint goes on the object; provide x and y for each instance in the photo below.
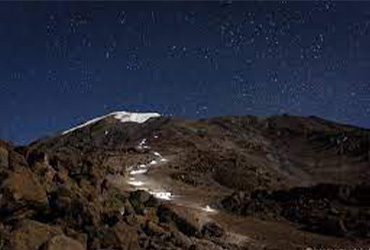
(62, 63)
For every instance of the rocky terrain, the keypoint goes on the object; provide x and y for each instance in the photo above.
(279, 182)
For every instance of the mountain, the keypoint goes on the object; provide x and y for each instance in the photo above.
(145, 181)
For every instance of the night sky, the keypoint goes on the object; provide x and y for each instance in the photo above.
(63, 63)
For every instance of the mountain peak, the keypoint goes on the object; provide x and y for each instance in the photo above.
(122, 116)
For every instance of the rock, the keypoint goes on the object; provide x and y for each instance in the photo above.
(201, 244)
(333, 226)
(236, 203)
(153, 202)
(121, 236)
(131, 219)
(138, 200)
(45, 174)
(152, 228)
(140, 195)
(184, 219)
(61, 200)
(182, 240)
(23, 187)
(61, 176)
(4, 158)
(31, 235)
(62, 242)
(361, 195)
(80, 237)
(128, 209)
(211, 229)
(16, 161)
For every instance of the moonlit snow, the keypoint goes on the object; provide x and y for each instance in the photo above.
(161, 195)
(120, 115)
(136, 183)
(142, 144)
(134, 117)
(139, 171)
(157, 154)
(208, 209)
(143, 141)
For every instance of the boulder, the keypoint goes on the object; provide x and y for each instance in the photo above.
(4, 158)
(212, 229)
(181, 240)
(333, 226)
(16, 161)
(153, 202)
(80, 237)
(22, 187)
(138, 200)
(61, 176)
(31, 235)
(152, 228)
(236, 203)
(140, 195)
(121, 236)
(127, 209)
(185, 220)
(62, 242)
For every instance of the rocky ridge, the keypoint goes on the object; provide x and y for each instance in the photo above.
(197, 185)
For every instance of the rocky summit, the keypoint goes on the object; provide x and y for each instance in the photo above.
(145, 181)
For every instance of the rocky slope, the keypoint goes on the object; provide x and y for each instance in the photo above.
(169, 183)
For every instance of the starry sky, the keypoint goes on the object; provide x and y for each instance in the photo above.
(62, 63)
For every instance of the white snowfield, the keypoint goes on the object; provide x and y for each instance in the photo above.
(120, 115)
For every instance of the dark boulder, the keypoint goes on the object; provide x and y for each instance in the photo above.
(185, 221)
(212, 229)
(31, 235)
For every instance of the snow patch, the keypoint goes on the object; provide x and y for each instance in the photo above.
(142, 166)
(143, 141)
(120, 115)
(157, 154)
(162, 195)
(142, 144)
(136, 183)
(134, 117)
(208, 209)
(139, 171)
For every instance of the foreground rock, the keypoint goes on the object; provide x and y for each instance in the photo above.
(62, 242)
(32, 235)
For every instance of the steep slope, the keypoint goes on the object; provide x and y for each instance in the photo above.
(128, 181)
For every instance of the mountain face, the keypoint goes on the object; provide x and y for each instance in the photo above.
(143, 181)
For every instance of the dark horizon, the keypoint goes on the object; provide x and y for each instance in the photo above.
(64, 63)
